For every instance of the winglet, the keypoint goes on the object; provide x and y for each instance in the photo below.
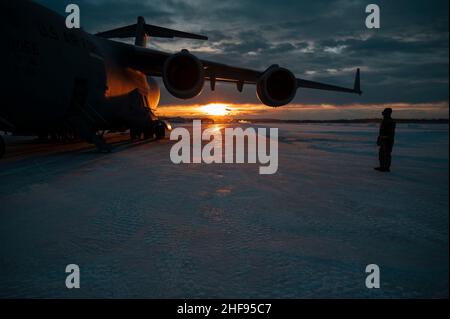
(357, 86)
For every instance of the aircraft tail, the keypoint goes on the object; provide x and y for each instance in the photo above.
(141, 31)
(357, 86)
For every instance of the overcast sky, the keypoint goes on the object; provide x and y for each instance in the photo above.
(403, 63)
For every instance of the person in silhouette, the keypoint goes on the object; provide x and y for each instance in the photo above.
(386, 141)
(2, 147)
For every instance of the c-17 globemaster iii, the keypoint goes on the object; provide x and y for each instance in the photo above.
(61, 81)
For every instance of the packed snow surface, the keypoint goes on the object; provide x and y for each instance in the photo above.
(140, 226)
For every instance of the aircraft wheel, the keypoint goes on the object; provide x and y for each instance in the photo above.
(160, 131)
(148, 134)
(2, 147)
(135, 134)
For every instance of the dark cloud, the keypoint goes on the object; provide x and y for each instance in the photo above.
(405, 61)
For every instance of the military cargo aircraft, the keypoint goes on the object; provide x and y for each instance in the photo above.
(58, 81)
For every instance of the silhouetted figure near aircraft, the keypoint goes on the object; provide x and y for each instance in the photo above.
(2, 147)
(386, 141)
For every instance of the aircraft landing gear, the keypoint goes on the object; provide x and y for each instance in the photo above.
(86, 132)
(157, 129)
(101, 145)
(160, 130)
(148, 133)
(135, 134)
(2, 147)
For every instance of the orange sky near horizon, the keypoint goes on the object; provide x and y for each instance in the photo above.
(306, 112)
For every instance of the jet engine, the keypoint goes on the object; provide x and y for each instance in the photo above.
(276, 87)
(184, 75)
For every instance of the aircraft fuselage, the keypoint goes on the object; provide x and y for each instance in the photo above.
(50, 73)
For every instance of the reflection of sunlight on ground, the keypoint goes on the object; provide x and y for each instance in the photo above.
(216, 128)
(215, 133)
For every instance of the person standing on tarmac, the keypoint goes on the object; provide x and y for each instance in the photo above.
(2, 147)
(386, 141)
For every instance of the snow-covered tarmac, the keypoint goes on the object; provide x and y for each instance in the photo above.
(140, 226)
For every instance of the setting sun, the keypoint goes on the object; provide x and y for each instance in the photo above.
(216, 109)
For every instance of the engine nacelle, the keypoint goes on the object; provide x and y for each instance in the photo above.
(277, 87)
(184, 75)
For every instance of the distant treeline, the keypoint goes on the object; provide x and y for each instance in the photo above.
(357, 121)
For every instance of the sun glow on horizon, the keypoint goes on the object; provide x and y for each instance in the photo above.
(216, 109)
(223, 111)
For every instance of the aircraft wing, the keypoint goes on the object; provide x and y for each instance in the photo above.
(151, 62)
(226, 73)
(327, 87)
